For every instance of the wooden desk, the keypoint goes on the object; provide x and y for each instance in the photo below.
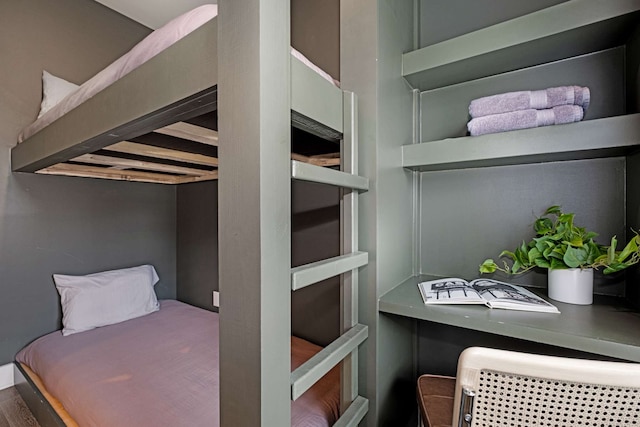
(605, 328)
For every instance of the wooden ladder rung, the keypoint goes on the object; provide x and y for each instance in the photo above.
(309, 172)
(354, 413)
(315, 272)
(307, 374)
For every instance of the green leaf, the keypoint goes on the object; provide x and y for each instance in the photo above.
(611, 252)
(593, 252)
(557, 264)
(542, 263)
(555, 210)
(557, 252)
(516, 266)
(533, 254)
(521, 254)
(631, 247)
(575, 257)
(575, 241)
(567, 219)
(508, 254)
(590, 236)
(543, 226)
(617, 266)
(543, 243)
(488, 266)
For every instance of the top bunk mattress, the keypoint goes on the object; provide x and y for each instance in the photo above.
(149, 47)
(157, 370)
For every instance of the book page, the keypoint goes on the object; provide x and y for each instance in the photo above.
(449, 291)
(505, 295)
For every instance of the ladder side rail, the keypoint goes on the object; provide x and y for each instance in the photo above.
(349, 244)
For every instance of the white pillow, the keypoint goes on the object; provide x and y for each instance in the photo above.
(54, 90)
(105, 298)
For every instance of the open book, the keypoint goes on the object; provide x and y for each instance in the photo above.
(491, 293)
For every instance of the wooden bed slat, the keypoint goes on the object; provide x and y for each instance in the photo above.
(129, 175)
(191, 132)
(324, 160)
(121, 164)
(162, 153)
(120, 168)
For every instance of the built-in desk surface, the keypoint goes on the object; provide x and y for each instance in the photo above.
(606, 328)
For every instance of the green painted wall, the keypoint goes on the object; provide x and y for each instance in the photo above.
(633, 162)
(464, 216)
(374, 36)
(445, 19)
(473, 214)
(57, 224)
(445, 111)
(197, 243)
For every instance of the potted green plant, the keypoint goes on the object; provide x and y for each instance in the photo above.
(570, 253)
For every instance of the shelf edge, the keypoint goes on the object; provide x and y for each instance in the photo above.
(597, 138)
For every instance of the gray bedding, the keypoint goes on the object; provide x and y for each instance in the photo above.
(157, 370)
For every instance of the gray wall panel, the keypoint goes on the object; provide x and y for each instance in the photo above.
(633, 162)
(440, 346)
(395, 221)
(374, 35)
(473, 214)
(315, 32)
(633, 222)
(444, 19)
(197, 238)
(358, 73)
(315, 235)
(445, 112)
(633, 72)
(58, 224)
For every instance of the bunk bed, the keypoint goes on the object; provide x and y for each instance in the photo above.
(157, 123)
(150, 116)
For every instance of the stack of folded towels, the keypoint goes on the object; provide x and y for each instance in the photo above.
(528, 109)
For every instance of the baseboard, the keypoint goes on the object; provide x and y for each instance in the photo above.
(6, 376)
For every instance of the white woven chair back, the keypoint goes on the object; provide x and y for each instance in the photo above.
(518, 389)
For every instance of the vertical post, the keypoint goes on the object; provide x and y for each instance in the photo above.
(349, 239)
(254, 212)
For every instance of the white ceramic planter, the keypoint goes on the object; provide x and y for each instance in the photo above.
(572, 285)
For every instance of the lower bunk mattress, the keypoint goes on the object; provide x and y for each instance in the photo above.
(157, 370)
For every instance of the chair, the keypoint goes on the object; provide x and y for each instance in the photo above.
(495, 388)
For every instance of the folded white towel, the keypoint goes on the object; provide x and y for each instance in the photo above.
(525, 100)
(525, 119)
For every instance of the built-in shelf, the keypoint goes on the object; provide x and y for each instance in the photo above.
(568, 29)
(607, 329)
(611, 136)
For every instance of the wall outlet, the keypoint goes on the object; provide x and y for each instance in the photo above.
(216, 299)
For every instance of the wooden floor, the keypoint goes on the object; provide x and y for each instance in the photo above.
(13, 410)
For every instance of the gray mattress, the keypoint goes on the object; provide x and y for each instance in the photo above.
(156, 370)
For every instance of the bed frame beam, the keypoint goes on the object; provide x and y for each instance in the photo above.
(255, 212)
(35, 400)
